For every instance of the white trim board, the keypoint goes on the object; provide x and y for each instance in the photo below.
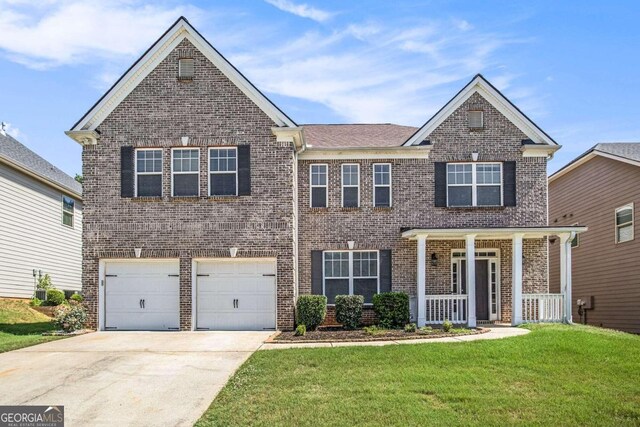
(158, 52)
(480, 85)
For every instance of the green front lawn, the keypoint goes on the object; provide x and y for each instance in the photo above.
(556, 375)
(21, 326)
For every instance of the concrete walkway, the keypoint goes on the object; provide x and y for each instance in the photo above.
(126, 378)
(493, 334)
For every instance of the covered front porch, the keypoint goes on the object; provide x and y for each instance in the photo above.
(508, 268)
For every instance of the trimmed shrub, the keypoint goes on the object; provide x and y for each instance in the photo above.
(311, 311)
(349, 310)
(70, 318)
(77, 298)
(374, 330)
(392, 309)
(35, 302)
(45, 282)
(447, 325)
(410, 327)
(301, 330)
(54, 297)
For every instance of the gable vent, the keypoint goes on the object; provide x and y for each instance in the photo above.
(476, 120)
(186, 69)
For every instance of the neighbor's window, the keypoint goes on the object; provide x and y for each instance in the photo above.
(185, 172)
(351, 273)
(223, 171)
(474, 184)
(148, 173)
(382, 185)
(68, 205)
(350, 185)
(319, 194)
(624, 224)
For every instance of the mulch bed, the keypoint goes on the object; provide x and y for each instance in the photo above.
(337, 334)
(67, 334)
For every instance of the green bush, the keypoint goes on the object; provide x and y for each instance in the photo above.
(311, 311)
(425, 329)
(45, 282)
(35, 302)
(349, 310)
(410, 327)
(54, 297)
(301, 330)
(70, 318)
(392, 309)
(77, 298)
(374, 330)
(447, 325)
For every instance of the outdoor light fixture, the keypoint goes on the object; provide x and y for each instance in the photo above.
(137, 251)
(434, 259)
(474, 156)
(185, 141)
(351, 244)
(233, 252)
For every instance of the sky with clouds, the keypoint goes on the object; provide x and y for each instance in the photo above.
(571, 66)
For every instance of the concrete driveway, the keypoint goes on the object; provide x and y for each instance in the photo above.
(126, 378)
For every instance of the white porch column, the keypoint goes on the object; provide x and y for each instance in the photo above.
(565, 274)
(422, 280)
(470, 240)
(516, 279)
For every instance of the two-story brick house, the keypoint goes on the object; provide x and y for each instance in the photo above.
(207, 207)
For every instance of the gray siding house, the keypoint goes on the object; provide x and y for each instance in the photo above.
(40, 222)
(207, 207)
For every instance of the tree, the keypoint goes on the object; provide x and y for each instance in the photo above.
(79, 178)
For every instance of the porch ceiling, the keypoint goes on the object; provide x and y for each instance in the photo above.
(505, 233)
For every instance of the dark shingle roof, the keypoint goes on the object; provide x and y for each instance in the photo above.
(357, 135)
(15, 152)
(628, 150)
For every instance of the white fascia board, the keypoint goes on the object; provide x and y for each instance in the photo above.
(588, 157)
(357, 153)
(41, 178)
(162, 48)
(491, 233)
(294, 135)
(539, 150)
(479, 85)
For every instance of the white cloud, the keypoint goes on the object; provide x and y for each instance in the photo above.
(301, 10)
(12, 130)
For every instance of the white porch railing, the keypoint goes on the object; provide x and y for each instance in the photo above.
(446, 307)
(542, 308)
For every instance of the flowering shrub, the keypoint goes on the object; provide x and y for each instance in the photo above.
(70, 318)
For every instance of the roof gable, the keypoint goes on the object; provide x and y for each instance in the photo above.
(180, 30)
(625, 152)
(482, 86)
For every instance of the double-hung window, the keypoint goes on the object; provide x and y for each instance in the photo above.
(350, 185)
(474, 184)
(223, 171)
(148, 170)
(382, 185)
(185, 172)
(351, 273)
(68, 210)
(624, 224)
(319, 194)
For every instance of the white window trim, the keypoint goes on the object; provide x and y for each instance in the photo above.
(312, 186)
(136, 173)
(173, 173)
(73, 212)
(220, 172)
(617, 226)
(373, 169)
(351, 278)
(492, 259)
(474, 185)
(343, 186)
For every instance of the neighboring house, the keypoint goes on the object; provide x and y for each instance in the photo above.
(601, 190)
(40, 222)
(207, 207)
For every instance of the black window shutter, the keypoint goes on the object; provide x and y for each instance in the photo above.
(509, 183)
(441, 184)
(385, 270)
(244, 170)
(316, 272)
(126, 171)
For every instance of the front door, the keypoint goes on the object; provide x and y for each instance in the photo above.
(482, 286)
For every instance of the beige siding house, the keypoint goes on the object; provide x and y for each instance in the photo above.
(40, 222)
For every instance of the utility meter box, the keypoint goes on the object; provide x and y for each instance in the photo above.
(585, 302)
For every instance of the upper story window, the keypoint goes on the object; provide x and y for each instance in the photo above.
(68, 210)
(186, 68)
(351, 273)
(350, 185)
(223, 171)
(624, 223)
(319, 178)
(148, 171)
(382, 185)
(185, 172)
(476, 119)
(474, 184)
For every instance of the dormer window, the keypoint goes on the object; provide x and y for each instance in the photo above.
(476, 120)
(186, 69)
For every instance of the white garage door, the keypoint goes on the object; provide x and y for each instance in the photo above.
(142, 295)
(236, 295)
